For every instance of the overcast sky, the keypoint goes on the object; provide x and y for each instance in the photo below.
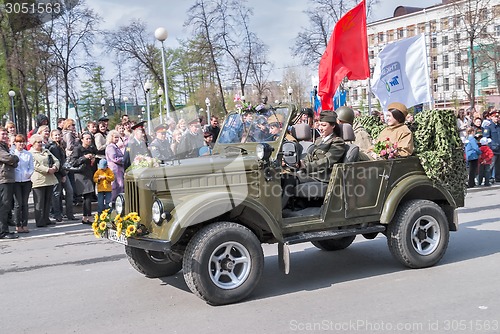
(276, 22)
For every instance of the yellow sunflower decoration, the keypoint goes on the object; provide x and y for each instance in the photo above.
(128, 224)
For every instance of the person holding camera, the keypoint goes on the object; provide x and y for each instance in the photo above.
(43, 179)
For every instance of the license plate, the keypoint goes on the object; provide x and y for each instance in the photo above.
(113, 236)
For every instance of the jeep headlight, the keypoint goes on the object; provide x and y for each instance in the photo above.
(120, 204)
(157, 212)
(263, 151)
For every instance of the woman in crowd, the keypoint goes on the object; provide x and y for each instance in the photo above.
(100, 139)
(176, 139)
(123, 141)
(56, 148)
(43, 178)
(22, 188)
(44, 131)
(84, 155)
(69, 136)
(462, 124)
(11, 131)
(114, 156)
(182, 126)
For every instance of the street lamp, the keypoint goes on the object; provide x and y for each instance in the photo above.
(159, 92)
(12, 94)
(161, 34)
(125, 100)
(290, 92)
(147, 87)
(103, 106)
(207, 102)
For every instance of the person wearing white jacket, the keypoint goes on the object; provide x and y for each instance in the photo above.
(22, 188)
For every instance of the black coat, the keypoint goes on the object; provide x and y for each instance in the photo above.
(84, 180)
(60, 154)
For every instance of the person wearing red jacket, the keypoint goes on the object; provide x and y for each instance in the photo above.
(485, 161)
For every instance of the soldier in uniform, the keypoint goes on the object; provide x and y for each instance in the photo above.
(363, 139)
(191, 141)
(137, 145)
(160, 147)
(327, 150)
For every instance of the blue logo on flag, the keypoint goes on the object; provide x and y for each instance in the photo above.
(391, 75)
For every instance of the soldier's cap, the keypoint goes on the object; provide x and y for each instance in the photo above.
(103, 119)
(398, 106)
(138, 125)
(160, 127)
(493, 112)
(194, 121)
(328, 116)
(275, 119)
(207, 134)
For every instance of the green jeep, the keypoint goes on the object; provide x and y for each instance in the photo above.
(209, 215)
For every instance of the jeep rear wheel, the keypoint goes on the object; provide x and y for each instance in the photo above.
(334, 244)
(152, 264)
(223, 263)
(418, 236)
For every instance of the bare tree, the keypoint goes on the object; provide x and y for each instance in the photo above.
(311, 42)
(73, 35)
(472, 17)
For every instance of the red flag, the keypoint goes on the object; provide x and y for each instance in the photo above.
(345, 54)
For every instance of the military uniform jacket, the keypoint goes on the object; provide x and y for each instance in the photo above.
(160, 149)
(323, 156)
(401, 135)
(134, 148)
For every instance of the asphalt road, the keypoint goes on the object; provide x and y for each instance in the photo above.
(64, 280)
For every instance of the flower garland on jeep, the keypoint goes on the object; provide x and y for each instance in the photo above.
(386, 150)
(244, 107)
(143, 161)
(129, 224)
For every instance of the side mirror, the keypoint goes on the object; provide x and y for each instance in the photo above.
(291, 153)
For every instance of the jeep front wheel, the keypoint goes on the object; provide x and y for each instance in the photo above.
(418, 236)
(223, 263)
(151, 263)
(334, 244)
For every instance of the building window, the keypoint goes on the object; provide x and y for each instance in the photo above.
(445, 61)
(446, 84)
(421, 28)
(435, 85)
(390, 35)
(371, 39)
(444, 23)
(484, 32)
(497, 30)
(380, 36)
(355, 94)
(483, 14)
(458, 58)
(401, 33)
(457, 37)
(459, 83)
(434, 43)
(372, 54)
(363, 93)
(433, 25)
(410, 31)
(434, 62)
(445, 40)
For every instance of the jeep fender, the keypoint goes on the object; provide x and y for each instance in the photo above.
(404, 187)
(199, 208)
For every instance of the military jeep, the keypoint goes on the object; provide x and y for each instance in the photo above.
(209, 215)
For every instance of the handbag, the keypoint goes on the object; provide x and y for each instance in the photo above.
(69, 167)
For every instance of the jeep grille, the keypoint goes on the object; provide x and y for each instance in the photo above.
(131, 196)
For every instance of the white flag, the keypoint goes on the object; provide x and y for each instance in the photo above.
(401, 73)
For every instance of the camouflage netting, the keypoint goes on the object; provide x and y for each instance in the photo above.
(440, 150)
(438, 147)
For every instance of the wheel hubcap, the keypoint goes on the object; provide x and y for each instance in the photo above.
(229, 265)
(425, 235)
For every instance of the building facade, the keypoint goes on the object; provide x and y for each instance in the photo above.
(447, 27)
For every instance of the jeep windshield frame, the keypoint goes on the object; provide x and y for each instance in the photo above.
(244, 130)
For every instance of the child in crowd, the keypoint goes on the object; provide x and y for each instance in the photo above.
(485, 161)
(472, 153)
(103, 177)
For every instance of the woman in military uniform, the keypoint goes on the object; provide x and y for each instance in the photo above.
(327, 150)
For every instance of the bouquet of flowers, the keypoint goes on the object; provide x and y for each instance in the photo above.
(129, 223)
(243, 107)
(386, 150)
(144, 161)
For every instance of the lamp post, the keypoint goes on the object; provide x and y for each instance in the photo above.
(207, 102)
(103, 107)
(12, 94)
(161, 34)
(125, 100)
(147, 87)
(290, 92)
(159, 92)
